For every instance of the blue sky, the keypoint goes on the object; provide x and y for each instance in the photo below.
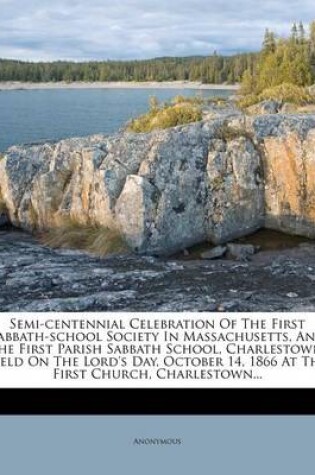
(123, 29)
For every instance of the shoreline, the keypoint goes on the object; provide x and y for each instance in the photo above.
(15, 86)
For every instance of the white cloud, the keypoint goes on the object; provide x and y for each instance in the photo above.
(101, 29)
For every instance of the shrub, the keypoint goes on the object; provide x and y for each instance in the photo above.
(98, 240)
(247, 101)
(220, 101)
(287, 93)
(196, 100)
(168, 115)
(199, 100)
(180, 99)
(283, 93)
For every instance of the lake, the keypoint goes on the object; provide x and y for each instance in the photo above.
(28, 116)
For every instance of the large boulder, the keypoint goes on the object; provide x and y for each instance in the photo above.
(215, 180)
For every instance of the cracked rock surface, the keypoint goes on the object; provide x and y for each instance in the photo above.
(35, 278)
(214, 180)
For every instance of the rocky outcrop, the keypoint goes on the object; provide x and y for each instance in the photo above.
(289, 172)
(265, 107)
(34, 278)
(215, 180)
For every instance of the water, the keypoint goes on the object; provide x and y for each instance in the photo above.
(28, 116)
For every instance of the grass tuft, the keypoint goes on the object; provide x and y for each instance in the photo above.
(180, 111)
(194, 100)
(227, 133)
(3, 207)
(98, 240)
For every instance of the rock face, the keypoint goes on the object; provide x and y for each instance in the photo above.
(289, 164)
(215, 180)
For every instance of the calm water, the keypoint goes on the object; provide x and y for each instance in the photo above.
(32, 116)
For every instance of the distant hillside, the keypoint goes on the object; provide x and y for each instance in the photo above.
(213, 69)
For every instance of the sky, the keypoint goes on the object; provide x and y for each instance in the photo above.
(137, 29)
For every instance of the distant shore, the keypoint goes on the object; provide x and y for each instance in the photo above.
(12, 85)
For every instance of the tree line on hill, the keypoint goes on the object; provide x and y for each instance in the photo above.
(283, 61)
(214, 69)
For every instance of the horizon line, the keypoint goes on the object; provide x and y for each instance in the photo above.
(154, 58)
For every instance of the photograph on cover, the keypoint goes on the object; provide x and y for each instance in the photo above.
(157, 156)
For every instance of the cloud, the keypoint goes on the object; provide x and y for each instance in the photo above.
(102, 29)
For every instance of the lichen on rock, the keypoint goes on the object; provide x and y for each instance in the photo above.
(173, 188)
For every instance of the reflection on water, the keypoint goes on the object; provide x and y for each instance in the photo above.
(269, 240)
(265, 239)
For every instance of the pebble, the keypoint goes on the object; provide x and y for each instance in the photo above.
(292, 295)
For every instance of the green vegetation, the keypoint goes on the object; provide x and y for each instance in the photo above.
(212, 69)
(227, 132)
(286, 92)
(95, 239)
(282, 60)
(195, 100)
(179, 112)
(284, 69)
(199, 100)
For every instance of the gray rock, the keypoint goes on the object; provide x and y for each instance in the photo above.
(43, 279)
(270, 107)
(288, 108)
(165, 191)
(215, 253)
(265, 108)
(228, 306)
(241, 252)
(307, 246)
(216, 180)
(292, 295)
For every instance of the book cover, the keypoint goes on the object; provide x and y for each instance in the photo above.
(157, 225)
